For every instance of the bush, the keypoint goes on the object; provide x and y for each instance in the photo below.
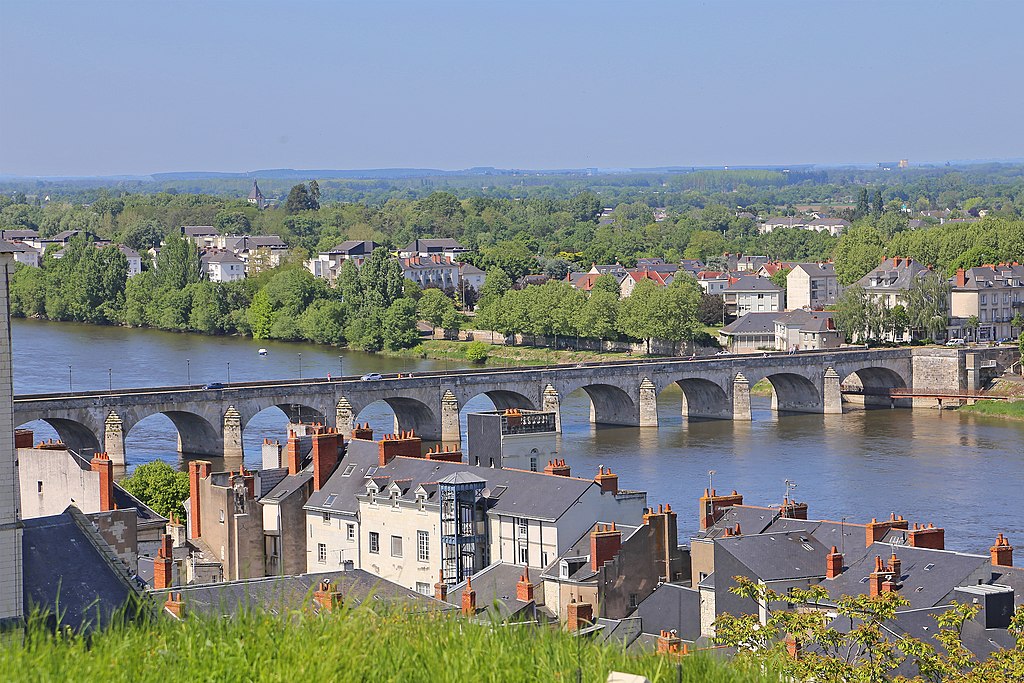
(477, 352)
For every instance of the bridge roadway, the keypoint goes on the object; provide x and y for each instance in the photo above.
(210, 421)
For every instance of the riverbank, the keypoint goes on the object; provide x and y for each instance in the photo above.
(1009, 410)
(501, 355)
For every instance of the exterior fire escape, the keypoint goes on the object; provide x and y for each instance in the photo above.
(463, 526)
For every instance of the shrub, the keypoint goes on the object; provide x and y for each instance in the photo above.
(477, 352)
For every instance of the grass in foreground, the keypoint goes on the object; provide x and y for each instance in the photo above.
(356, 645)
(1013, 410)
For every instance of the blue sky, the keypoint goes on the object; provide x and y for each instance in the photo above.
(92, 88)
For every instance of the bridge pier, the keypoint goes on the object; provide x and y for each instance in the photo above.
(113, 439)
(451, 431)
(344, 417)
(648, 403)
(741, 398)
(831, 393)
(233, 434)
(552, 402)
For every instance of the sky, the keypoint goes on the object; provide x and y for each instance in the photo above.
(108, 87)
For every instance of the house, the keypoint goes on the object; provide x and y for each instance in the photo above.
(19, 235)
(812, 285)
(516, 438)
(256, 196)
(713, 282)
(471, 277)
(616, 269)
(581, 281)
(23, 253)
(257, 252)
(744, 264)
(803, 330)
(752, 294)
(426, 248)
(391, 510)
(749, 332)
(888, 284)
(431, 271)
(772, 267)
(502, 591)
(779, 222)
(327, 264)
(634, 277)
(833, 226)
(989, 296)
(134, 260)
(223, 266)
(658, 265)
(204, 236)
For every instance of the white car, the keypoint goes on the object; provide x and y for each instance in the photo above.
(371, 377)
(955, 342)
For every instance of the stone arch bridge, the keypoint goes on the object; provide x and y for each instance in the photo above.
(210, 421)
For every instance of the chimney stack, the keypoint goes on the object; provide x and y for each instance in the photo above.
(102, 464)
(441, 588)
(326, 450)
(712, 506)
(327, 596)
(363, 432)
(163, 564)
(669, 643)
(406, 444)
(1002, 552)
(927, 537)
(293, 453)
(833, 564)
(557, 468)
(793, 510)
(469, 598)
(608, 482)
(175, 605)
(961, 277)
(578, 615)
(605, 542)
(524, 589)
(896, 567)
(197, 471)
(876, 531)
(877, 578)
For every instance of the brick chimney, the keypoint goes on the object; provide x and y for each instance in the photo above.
(793, 646)
(664, 531)
(833, 564)
(163, 564)
(605, 541)
(326, 449)
(712, 506)
(404, 443)
(197, 471)
(896, 567)
(293, 453)
(557, 468)
(1002, 552)
(175, 605)
(102, 464)
(468, 598)
(961, 277)
(927, 537)
(669, 643)
(608, 482)
(441, 588)
(327, 596)
(363, 432)
(578, 615)
(444, 454)
(791, 509)
(881, 580)
(23, 438)
(524, 589)
(876, 531)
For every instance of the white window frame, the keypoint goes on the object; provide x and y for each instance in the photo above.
(423, 546)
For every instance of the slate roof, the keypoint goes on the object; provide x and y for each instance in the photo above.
(772, 557)
(288, 485)
(671, 607)
(896, 273)
(752, 323)
(128, 251)
(927, 576)
(12, 247)
(817, 269)
(220, 257)
(526, 494)
(198, 230)
(495, 587)
(809, 321)
(752, 283)
(354, 248)
(751, 518)
(270, 478)
(785, 221)
(436, 244)
(581, 548)
(282, 593)
(19, 234)
(65, 569)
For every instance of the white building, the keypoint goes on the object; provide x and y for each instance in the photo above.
(812, 285)
(23, 253)
(752, 294)
(327, 264)
(223, 266)
(134, 260)
(426, 248)
(434, 271)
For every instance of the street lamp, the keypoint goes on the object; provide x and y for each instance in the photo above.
(188, 371)
(229, 372)
(341, 367)
(70, 386)
(300, 365)
(110, 379)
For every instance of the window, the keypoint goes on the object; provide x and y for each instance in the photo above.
(39, 487)
(422, 546)
(524, 554)
(321, 553)
(221, 516)
(348, 470)
(423, 588)
(533, 463)
(330, 500)
(327, 518)
(374, 542)
(396, 546)
(521, 526)
(632, 600)
(350, 532)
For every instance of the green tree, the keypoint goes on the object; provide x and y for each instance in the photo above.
(927, 303)
(477, 352)
(323, 322)
(496, 283)
(596, 319)
(863, 206)
(349, 285)
(607, 283)
(209, 308)
(178, 264)
(859, 251)
(28, 292)
(779, 277)
(299, 199)
(261, 315)
(711, 309)
(381, 279)
(399, 325)
(159, 486)
(851, 312)
(433, 306)
(638, 314)
(972, 324)
(143, 234)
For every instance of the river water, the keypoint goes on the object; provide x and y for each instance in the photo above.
(958, 471)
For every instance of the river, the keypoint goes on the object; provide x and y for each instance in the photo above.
(961, 472)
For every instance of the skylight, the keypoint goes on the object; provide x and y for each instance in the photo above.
(330, 499)
(348, 470)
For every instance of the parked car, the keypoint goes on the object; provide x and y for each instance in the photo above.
(955, 342)
(371, 377)
(214, 385)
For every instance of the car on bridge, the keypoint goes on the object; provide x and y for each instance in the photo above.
(214, 385)
(371, 377)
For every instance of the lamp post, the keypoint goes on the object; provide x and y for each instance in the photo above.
(188, 371)
(70, 385)
(300, 365)
(110, 379)
(229, 372)
(341, 368)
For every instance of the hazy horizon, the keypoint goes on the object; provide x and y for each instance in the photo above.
(115, 88)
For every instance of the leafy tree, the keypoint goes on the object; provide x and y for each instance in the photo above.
(159, 486)
(350, 286)
(877, 204)
(496, 283)
(859, 251)
(28, 292)
(433, 306)
(381, 279)
(323, 322)
(928, 304)
(314, 192)
(209, 308)
(851, 312)
(675, 310)
(477, 352)
(299, 199)
(399, 325)
(597, 318)
(779, 277)
(973, 323)
(863, 206)
(232, 222)
(638, 313)
(178, 264)
(512, 256)
(705, 244)
(143, 234)
(711, 309)
(607, 283)
(261, 315)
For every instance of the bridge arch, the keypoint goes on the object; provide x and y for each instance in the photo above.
(409, 414)
(195, 434)
(794, 392)
(611, 405)
(505, 398)
(870, 386)
(703, 398)
(76, 435)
